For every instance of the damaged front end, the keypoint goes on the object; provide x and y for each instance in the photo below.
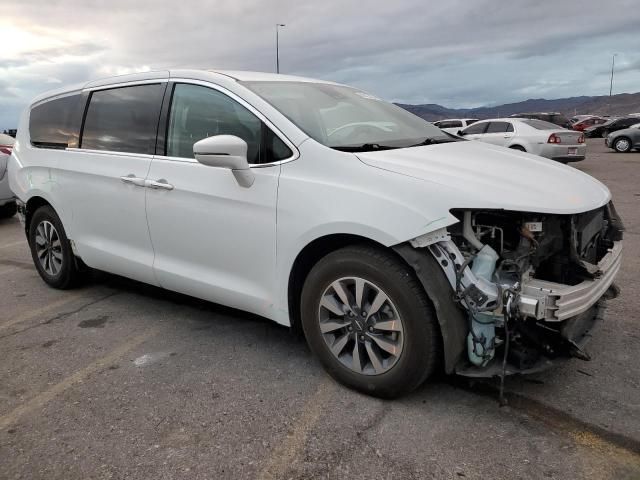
(527, 285)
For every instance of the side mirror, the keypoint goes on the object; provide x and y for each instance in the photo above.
(225, 151)
(461, 133)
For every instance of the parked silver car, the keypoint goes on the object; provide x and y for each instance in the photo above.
(530, 135)
(624, 141)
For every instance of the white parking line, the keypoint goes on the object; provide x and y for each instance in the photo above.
(36, 404)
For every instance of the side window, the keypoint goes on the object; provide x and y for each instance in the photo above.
(476, 128)
(499, 127)
(199, 112)
(469, 122)
(123, 119)
(52, 124)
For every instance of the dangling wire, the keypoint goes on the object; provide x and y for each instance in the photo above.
(507, 312)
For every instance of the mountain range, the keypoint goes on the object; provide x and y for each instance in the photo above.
(620, 104)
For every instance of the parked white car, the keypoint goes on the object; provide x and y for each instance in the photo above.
(530, 135)
(7, 200)
(453, 125)
(398, 249)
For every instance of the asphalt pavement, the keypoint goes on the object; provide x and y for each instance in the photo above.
(121, 380)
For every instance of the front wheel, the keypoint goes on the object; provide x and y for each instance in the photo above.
(622, 145)
(367, 318)
(51, 250)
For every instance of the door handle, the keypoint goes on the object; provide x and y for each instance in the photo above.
(161, 184)
(132, 179)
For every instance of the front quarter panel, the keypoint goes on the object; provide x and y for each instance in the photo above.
(328, 192)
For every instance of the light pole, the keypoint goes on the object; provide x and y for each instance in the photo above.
(613, 64)
(278, 25)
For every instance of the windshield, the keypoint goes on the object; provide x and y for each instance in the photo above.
(344, 117)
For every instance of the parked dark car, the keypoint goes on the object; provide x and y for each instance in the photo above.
(612, 125)
(552, 117)
(625, 140)
(582, 125)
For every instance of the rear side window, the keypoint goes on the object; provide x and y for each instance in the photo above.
(199, 112)
(473, 120)
(476, 128)
(123, 119)
(540, 124)
(53, 124)
(499, 127)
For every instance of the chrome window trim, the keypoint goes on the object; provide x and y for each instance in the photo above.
(131, 83)
(109, 152)
(194, 161)
(204, 83)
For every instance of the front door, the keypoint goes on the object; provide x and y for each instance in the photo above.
(498, 133)
(212, 237)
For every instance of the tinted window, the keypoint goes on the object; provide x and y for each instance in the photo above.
(473, 120)
(540, 124)
(199, 112)
(123, 119)
(499, 127)
(476, 128)
(52, 124)
(628, 122)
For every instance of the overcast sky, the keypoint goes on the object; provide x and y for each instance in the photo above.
(458, 53)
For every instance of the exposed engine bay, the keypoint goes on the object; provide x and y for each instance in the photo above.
(530, 283)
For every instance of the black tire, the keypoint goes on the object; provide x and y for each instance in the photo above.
(68, 274)
(421, 351)
(518, 147)
(622, 145)
(8, 210)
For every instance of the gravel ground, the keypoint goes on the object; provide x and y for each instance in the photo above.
(121, 380)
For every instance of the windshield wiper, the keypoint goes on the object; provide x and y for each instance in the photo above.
(365, 147)
(433, 141)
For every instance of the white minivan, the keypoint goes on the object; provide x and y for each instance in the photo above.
(397, 249)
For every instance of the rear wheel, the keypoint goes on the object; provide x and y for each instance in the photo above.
(518, 147)
(51, 249)
(368, 320)
(622, 145)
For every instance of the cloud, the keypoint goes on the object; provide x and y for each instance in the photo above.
(457, 53)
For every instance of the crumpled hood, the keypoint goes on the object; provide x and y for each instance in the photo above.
(478, 175)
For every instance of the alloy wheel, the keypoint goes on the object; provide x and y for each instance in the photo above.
(622, 145)
(48, 247)
(361, 326)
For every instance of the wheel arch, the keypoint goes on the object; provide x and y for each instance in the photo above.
(30, 206)
(307, 258)
(451, 319)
